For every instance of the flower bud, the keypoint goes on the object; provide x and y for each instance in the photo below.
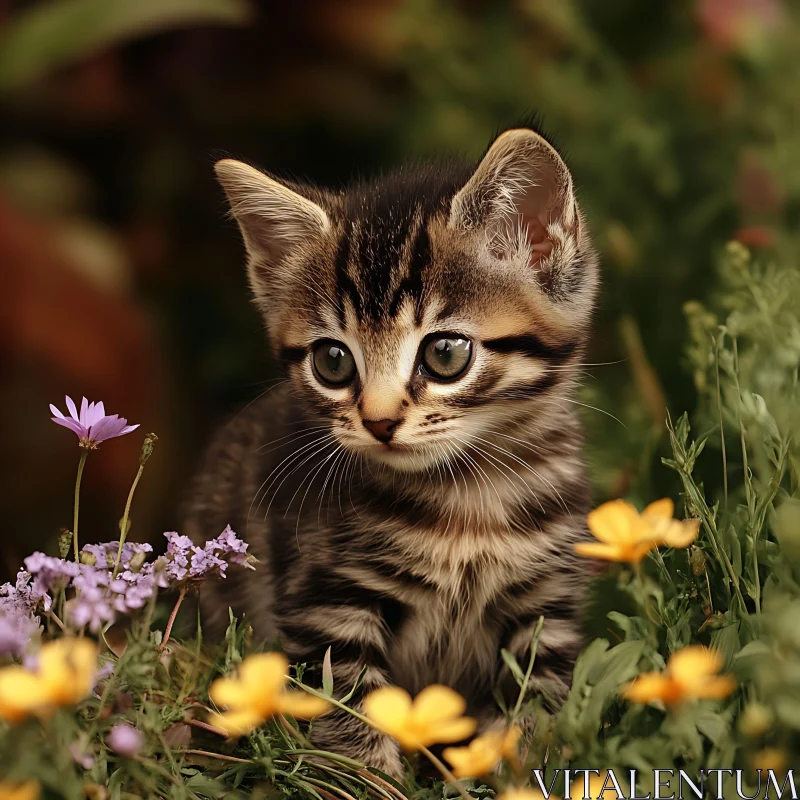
(147, 448)
(698, 562)
(88, 558)
(755, 720)
(136, 562)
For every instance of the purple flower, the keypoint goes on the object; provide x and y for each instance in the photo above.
(125, 739)
(187, 561)
(106, 554)
(80, 756)
(16, 631)
(230, 545)
(49, 573)
(21, 597)
(91, 426)
(92, 605)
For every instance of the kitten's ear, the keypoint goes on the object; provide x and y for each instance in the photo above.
(274, 220)
(521, 193)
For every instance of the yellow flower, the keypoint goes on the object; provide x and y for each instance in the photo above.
(691, 674)
(624, 534)
(258, 693)
(30, 790)
(67, 669)
(671, 532)
(771, 758)
(433, 717)
(483, 753)
(64, 676)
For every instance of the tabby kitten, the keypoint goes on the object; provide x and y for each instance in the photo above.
(414, 487)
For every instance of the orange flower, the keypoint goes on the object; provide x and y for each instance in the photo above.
(432, 717)
(483, 753)
(64, 676)
(624, 534)
(30, 790)
(691, 674)
(258, 693)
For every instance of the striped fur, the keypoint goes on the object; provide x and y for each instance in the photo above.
(421, 558)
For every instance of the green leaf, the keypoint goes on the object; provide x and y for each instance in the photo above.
(511, 663)
(327, 674)
(47, 36)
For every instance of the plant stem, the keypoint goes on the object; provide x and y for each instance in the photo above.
(721, 429)
(446, 774)
(123, 534)
(523, 690)
(220, 756)
(171, 619)
(81, 464)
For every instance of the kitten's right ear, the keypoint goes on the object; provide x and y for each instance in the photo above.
(275, 221)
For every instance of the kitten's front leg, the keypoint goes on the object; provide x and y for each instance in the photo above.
(558, 645)
(356, 637)
(342, 733)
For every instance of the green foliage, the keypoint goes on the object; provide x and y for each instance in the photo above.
(48, 36)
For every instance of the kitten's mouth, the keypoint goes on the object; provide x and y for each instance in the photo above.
(403, 457)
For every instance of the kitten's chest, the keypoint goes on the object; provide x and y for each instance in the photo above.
(452, 633)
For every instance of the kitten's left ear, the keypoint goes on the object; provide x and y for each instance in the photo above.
(521, 193)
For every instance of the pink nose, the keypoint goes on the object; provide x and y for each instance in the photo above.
(381, 429)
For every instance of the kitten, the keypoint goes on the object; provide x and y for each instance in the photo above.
(414, 486)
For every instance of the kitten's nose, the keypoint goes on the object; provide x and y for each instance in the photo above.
(381, 429)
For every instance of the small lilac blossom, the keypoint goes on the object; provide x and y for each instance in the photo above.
(22, 597)
(92, 426)
(90, 607)
(125, 740)
(80, 756)
(179, 551)
(233, 547)
(106, 553)
(187, 561)
(16, 631)
(50, 573)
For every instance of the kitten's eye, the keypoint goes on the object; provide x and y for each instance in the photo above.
(446, 355)
(333, 363)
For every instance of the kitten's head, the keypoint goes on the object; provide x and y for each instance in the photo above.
(425, 311)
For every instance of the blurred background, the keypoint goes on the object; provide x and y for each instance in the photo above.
(122, 279)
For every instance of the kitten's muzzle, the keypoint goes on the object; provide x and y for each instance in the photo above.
(381, 429)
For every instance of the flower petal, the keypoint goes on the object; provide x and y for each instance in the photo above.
(607, 552)
(22, 693)
(67, 669)
(437, 703)
(302, 705)
(72, 410)
(388, 707)
(71, 424)
(613, 521)
(650, 686)
(694, 663)
(478, 758)
(452, 730)
(236, 723)
(228, 692)
(660, 509)
(681, 534)
(717, 688)
(265, 672)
